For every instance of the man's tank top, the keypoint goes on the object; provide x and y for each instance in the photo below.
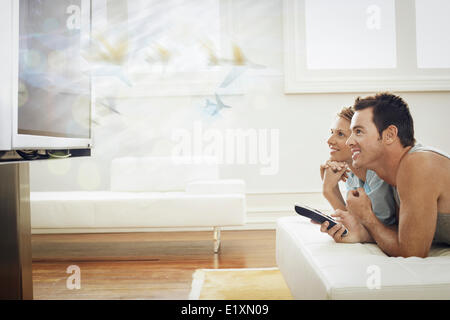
(442, 233)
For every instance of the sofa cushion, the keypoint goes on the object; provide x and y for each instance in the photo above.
(106, 209)
(160, 173)
(316, 267)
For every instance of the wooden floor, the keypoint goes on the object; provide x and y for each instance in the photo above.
(141, 265)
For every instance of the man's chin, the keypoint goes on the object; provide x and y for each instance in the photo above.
(357, 164)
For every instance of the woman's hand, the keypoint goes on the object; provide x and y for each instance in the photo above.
(331, 176)
(331, 172)
(336, 167)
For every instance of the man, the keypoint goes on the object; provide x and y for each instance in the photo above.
(382, 140)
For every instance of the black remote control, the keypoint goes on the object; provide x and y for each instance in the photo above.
(317, 216)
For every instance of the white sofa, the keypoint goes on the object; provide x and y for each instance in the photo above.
(148, 192)
(316, 267)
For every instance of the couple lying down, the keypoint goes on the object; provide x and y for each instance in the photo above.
(398, 191)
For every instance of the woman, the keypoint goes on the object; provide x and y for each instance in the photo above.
(339, 167)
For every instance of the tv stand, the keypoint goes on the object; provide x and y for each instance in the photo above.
(15, 232)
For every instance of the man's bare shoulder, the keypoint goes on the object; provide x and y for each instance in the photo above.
(424, 160)
(416, 160)
(422, 169)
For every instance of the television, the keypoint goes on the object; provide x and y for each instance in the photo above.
(46, 94)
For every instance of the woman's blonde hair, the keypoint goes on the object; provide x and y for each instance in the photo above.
(347, 113)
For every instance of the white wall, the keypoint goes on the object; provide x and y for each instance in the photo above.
(145, 125)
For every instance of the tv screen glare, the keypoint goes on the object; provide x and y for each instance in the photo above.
(46, 94)
(54, 94)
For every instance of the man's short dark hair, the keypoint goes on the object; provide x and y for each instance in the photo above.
(389, 109)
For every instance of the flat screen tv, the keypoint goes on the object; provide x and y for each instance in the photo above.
(46, 96)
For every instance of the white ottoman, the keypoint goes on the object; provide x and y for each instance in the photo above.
(315, 267)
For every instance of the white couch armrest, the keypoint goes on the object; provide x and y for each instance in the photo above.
(216, 186)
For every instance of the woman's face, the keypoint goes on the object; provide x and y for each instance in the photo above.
(340, 132)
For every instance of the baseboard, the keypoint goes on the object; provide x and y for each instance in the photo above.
(263, 210)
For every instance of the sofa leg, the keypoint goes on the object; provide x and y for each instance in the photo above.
(216, 239)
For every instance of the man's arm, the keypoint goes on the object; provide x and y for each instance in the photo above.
(386, 237)
(418, 192)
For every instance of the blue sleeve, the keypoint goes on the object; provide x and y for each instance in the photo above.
(351, 182)
(382, 196)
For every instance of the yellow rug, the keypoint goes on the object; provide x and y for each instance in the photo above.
(239, 284)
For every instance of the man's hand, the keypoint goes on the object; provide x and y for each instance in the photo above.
(356, 231)
(360, 206)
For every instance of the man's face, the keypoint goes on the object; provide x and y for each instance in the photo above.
(365, 142)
